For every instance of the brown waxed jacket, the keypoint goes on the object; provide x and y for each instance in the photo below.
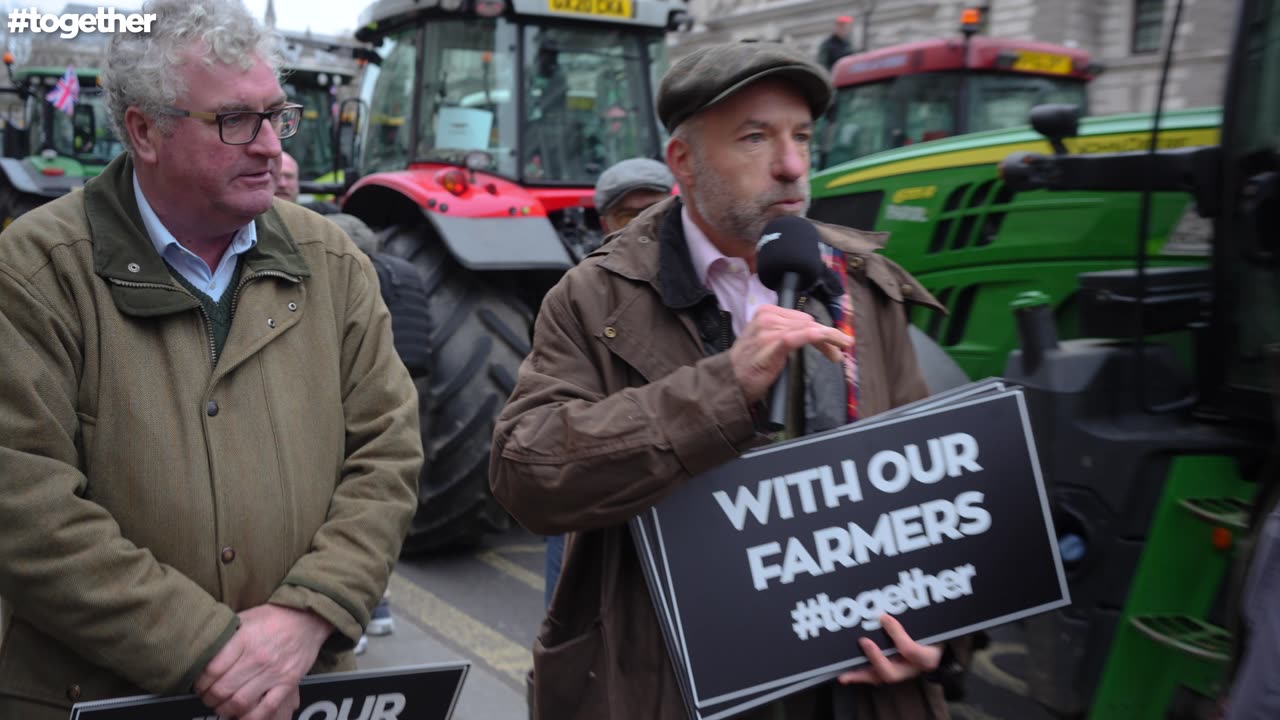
(147, 494)
(615, 407)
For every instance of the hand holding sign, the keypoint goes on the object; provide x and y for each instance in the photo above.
(912, 659)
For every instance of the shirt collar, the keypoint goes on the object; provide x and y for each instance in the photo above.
(245, 238)
(702, 252)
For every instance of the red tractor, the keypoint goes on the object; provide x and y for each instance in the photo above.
(931, 89)
(488, 122)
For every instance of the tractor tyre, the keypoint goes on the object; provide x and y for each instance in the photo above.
(939, 370)
(480, 335)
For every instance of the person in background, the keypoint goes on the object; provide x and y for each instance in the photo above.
(836, 45)
(629, 188)
(210, 447)
(651, 360)
(625, 190)
(287, 178)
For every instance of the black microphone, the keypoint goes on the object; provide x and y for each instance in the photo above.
(788, 262)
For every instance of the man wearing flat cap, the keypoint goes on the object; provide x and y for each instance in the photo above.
(651, 360)
(629, 188)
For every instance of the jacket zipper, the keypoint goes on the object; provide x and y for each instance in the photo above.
(725, 324)
(235, 298)
(208, 321)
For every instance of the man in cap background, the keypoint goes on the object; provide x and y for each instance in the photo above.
(629, 188)
(836, 45)
(651, 360)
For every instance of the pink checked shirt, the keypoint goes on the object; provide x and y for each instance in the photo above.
(737, 289)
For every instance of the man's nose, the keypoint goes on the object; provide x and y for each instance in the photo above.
(267, 143)
(792, 161)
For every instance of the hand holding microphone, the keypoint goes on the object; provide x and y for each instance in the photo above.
(787, 261)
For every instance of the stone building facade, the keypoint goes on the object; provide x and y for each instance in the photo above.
(1127, 36)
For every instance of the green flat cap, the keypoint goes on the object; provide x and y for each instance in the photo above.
(710, 74)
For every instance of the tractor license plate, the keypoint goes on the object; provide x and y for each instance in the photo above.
(1041, 63)
(607, 8)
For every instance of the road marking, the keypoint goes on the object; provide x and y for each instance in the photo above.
(513, 569)
(491, 647)
(985, 667)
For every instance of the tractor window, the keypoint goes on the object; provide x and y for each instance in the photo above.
(65, 134)
(586, 105)
(858, 124)
(386, 144)
(1004, 100)
(312, 147)
(929, 104)
(468, 103)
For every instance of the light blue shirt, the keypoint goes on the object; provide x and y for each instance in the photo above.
(187, 263)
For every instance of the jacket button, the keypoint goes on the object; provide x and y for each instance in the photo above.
(906, 289)
(73, 693)
(211, 408)
(591, 674)
(855, 263)
(609, 332)
(228, 555)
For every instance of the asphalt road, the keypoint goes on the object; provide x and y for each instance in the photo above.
(484, 605)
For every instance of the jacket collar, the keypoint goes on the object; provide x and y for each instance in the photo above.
(124, 256)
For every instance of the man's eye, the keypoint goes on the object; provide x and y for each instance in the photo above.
(754, 137)
(233, 120)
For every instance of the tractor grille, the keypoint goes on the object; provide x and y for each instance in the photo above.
(971, 216)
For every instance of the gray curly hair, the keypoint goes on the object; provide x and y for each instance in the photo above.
(140, 68)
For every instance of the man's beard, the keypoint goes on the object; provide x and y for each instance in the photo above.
(740, 220)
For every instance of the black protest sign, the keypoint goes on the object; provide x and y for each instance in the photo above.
(423, 692)
(777, 562)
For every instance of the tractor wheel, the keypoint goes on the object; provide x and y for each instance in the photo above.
(479, 337)
(939, 370)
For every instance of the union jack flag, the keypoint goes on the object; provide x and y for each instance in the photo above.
(65, 94)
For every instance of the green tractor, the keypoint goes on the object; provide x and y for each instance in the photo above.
(47, 152)
(329, 121)
(977, 244)
(1158, 433)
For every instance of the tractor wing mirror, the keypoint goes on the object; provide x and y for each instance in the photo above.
(1056, 122)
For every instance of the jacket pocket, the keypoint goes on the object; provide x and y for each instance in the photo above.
(569, 677)
(35, 667)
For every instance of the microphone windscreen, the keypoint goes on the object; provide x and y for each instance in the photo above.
(789, 244)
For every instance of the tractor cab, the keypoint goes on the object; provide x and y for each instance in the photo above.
(932, 89)
(538, 93)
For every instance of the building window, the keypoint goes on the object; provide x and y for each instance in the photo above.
(1148, 21)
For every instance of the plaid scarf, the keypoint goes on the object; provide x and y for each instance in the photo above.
(842, 317)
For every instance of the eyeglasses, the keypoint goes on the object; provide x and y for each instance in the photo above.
(240, 127)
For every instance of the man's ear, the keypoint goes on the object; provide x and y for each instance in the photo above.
(680, 160)
(143, 134)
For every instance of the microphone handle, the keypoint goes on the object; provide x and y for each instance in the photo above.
(778, 393)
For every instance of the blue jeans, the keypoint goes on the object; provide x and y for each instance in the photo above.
(555, 556)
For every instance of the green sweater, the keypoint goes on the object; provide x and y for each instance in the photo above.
(218, 314)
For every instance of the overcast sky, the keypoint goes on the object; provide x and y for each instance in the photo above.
(327, 17)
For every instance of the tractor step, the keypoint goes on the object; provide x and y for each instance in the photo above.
(1187, 634)
(1228, 511)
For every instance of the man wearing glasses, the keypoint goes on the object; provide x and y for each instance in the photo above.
(208, 445)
